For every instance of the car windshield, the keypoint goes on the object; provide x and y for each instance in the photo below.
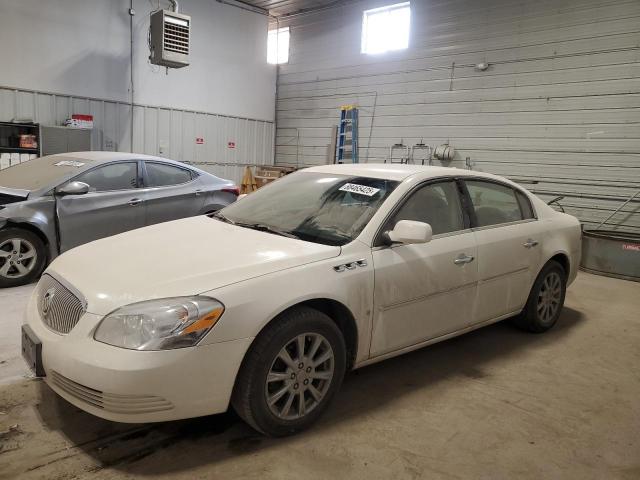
(40, 172)
(315, 207)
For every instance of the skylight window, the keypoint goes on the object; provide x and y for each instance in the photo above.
(278, 46)
(385, 29)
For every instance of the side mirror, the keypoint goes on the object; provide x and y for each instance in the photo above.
(409, 232)
(73, 188)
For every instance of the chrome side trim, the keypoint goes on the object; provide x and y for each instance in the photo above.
(422, 298)
(508, 224)
(500, 275)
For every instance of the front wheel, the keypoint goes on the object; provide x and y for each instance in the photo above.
(545, 300)
(22, 257)
(291, 373)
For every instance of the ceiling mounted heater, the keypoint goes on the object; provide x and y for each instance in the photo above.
(169, 39)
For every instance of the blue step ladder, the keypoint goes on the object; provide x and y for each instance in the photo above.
(347, 135)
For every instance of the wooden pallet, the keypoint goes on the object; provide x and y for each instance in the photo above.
(267, 174)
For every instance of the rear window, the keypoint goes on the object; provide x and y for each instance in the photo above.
(41, 172)
(162, 175)
(493, 203)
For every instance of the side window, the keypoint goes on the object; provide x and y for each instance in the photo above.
(493, 203)
(525, 205)
(115, 176)
(162, 175)
(437, 204)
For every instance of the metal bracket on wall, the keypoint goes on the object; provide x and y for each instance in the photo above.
(453, 69)
(404, 153)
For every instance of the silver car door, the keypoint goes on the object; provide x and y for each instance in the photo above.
(112, 205)
(170, 192)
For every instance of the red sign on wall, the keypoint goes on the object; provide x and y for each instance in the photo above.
(231, 144)
(199, 141)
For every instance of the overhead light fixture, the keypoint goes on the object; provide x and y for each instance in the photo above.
(482, 66)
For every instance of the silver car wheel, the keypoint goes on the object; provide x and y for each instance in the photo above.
(18, 257)
(299, 376)
(549, 297)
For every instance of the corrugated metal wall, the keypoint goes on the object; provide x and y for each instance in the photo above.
(158, 131)
(559, 105)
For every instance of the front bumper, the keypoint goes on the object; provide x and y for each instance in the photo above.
(133, 386)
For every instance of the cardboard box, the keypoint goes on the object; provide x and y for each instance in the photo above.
(28, 141)
(86, 122)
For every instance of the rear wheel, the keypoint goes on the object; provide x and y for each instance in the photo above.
(545, 300)
(291, 373)
(22, 257)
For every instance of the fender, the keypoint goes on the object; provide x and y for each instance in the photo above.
(37, 215)
(566, 241)
(210, 208)
(351, 291)
(216, 200)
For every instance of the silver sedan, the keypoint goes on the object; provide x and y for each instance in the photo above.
(54, 203)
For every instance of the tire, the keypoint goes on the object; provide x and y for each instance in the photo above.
(315, 384)
(15, 267)
(545, 301)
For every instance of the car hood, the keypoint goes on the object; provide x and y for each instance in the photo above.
(179, 258)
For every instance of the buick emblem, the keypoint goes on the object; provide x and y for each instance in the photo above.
(47, 300)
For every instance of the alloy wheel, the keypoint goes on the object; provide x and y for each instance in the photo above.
(300, 376)
(549, 297)
(18, 257)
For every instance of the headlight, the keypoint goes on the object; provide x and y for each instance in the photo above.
(160, 324)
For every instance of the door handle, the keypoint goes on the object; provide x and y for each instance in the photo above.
(463, 258)
(135, 201)
(530, 243)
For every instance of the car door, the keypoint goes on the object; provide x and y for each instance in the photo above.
(170, 192)
(423, 291)
(112, 205)
(508, 237)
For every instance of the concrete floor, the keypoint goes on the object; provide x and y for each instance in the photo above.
(493, 404)
(12, 305)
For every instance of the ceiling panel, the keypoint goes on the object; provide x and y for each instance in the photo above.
(286, 7)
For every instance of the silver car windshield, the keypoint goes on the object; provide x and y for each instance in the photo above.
(317, 207)
(41, 172)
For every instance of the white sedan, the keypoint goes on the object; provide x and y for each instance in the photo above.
(265, 305)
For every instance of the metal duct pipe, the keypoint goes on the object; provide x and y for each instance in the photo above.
(444, 152)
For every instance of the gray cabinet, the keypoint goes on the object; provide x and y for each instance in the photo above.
(64, 139)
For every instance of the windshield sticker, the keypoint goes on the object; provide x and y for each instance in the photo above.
(361, 189)
(69, 163)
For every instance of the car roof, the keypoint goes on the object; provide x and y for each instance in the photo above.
(97, 158)
(399, 172)
(45, 172)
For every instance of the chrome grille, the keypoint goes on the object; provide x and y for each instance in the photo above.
(130, 404)
(59, 308)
